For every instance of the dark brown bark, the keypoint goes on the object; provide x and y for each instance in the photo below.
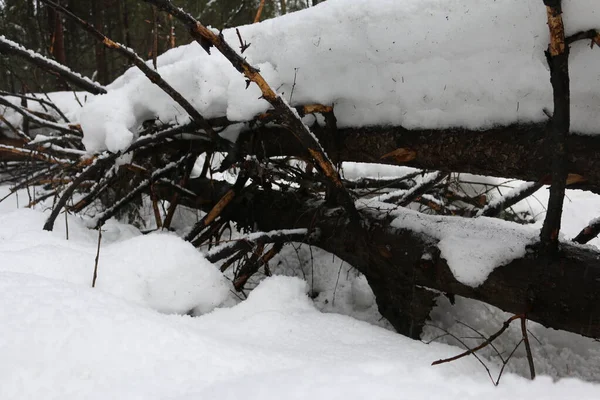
(514, 151)
(100, 50)
(559, 125)
(562, 292)
(589, 232)
(57, 36)
(6, 47)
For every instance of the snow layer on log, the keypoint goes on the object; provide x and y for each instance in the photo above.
(415, 63)
(473, 248)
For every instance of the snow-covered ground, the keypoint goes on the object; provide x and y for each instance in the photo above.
(129, 337)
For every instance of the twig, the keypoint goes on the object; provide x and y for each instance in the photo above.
(243, 45)
(510, 199)
(527, 347)
(489, 340)
(97, 258)
(288, 117)
(69, 129)
(248, 242)
(507, 360)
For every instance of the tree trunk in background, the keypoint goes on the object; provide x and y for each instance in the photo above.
(124, 15)
(57, 41)
(101, 67)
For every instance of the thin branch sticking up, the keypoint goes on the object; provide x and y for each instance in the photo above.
(559, 125)
(97, 258)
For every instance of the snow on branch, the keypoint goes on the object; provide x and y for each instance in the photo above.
(149, 72)
(288, 116)
(11, 48)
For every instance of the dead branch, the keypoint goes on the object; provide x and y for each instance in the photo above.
(138, 62)
(593, 35)
(248, 242)
(11, 48)
(512, 151)
(393, 262)
(559, 125)
(589, 232)
(141, 187)
(510, 199)
(42, 102)
(288, 118)
(64, 128)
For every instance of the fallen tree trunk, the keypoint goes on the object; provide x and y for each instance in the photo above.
(515, 151)
(561, 293)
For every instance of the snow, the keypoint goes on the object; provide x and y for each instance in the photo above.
(415, 63)
(473, 248)
(160, 271)
(127, 338)
(60, 340)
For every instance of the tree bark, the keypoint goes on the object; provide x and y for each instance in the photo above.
(561, 293)
(514, 151)
(101, 65)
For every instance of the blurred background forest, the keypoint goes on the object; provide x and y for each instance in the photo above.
(130, 22)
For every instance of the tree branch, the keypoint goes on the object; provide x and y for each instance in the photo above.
(558, 127)
(11, 48)
(287, 116)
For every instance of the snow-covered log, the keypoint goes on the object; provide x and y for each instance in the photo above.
(408, 264)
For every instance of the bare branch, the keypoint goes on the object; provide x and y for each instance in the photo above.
(11, 48)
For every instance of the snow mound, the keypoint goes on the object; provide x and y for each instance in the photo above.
(63, 341)
(160, 271)
(415, 63)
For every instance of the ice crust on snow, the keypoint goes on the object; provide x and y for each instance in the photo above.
(415, 63)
